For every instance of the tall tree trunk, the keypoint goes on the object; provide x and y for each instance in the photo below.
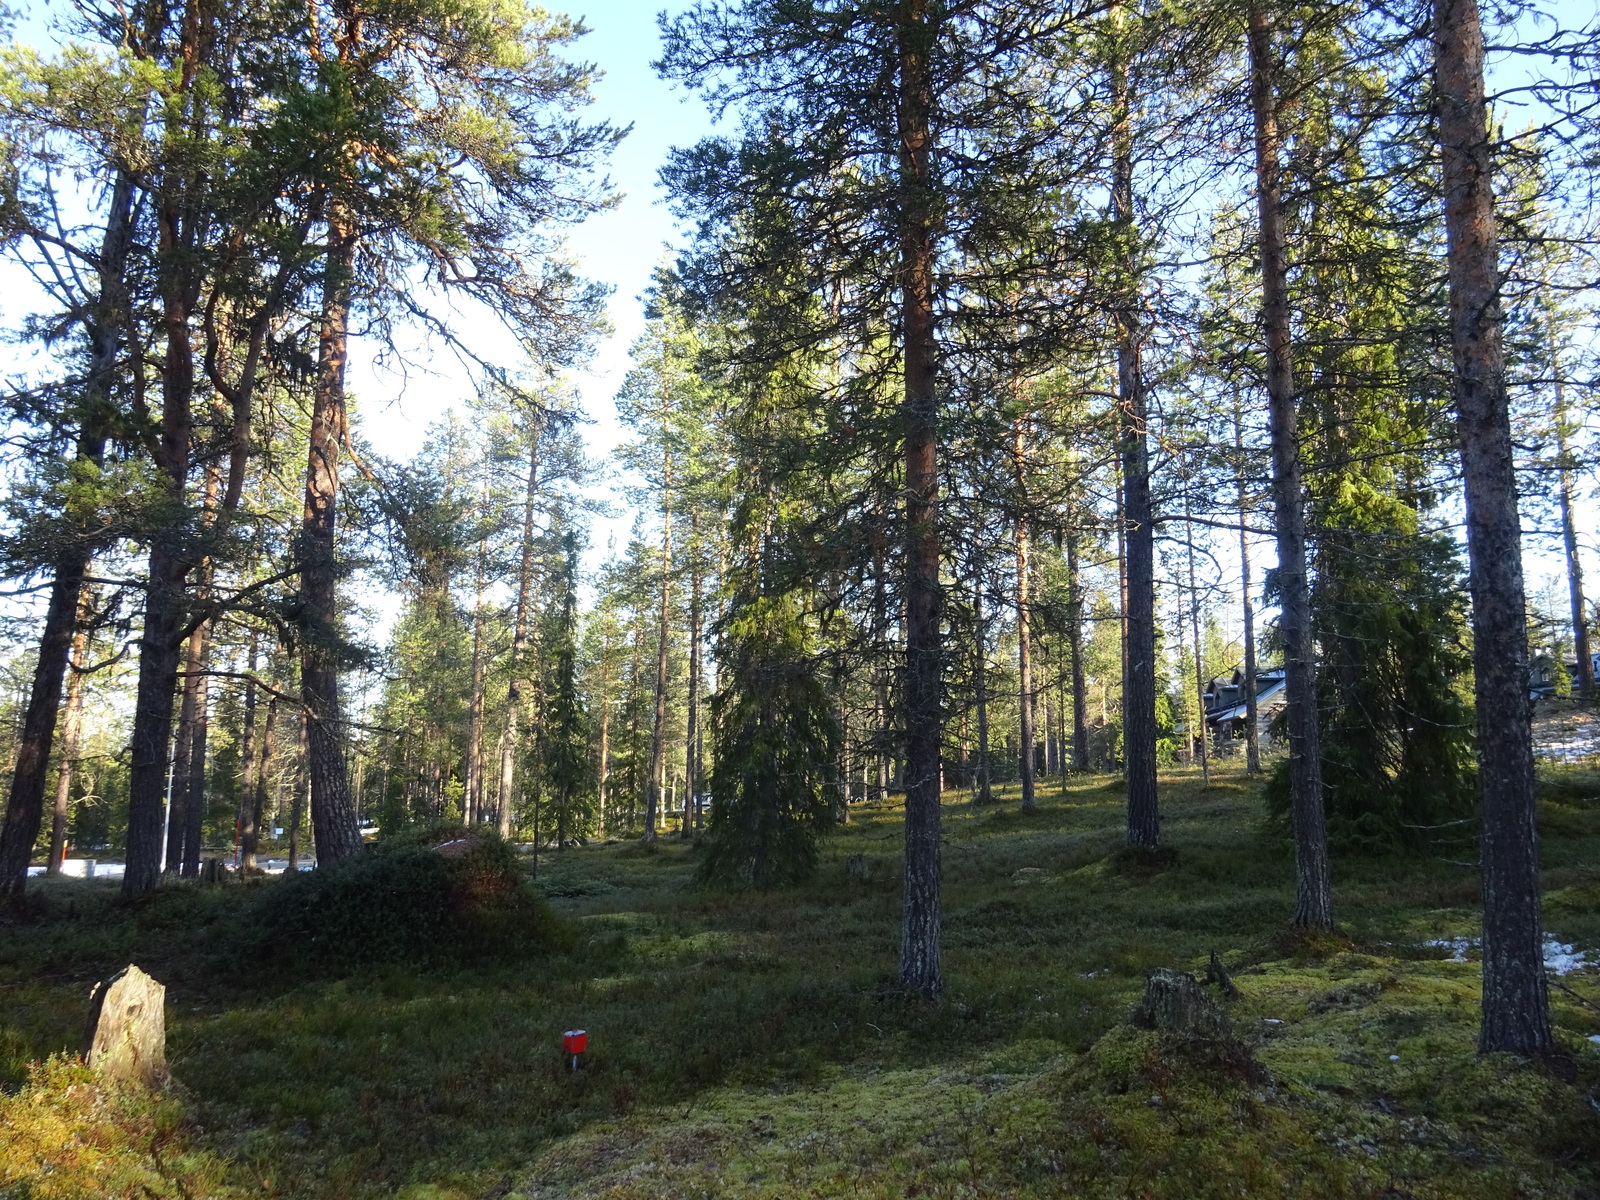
(691, 741)
(248, 816)
(302, 790)
(519, 645)
(980, 682)
(1027, 735)
(1516, 1005)
(474, 775)
(258, 805)
(161, 642)
(920, 968)
(71, 734)
(1313, 879)
(1139, 682)
(182, 750)
(186, 816)
(1080, 675)
(333, 817)
(880, 702)
(658, 735)
(25, 800)
(1199, 656)
(1569, 530)
(195, 807)
(605, 725)
(1252, 734)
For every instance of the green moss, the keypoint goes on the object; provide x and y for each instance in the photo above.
(755, 1044)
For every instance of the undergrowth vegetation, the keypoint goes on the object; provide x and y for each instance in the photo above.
(755, 1044)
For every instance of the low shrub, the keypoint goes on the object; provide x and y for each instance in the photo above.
(468, 899)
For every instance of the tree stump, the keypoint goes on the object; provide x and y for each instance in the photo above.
(127, 1031)
(858, 867)
(1174, 1002)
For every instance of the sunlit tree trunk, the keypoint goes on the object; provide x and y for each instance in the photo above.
(691, 741)
(1313, 880)
(1516, 1003)
(605, 726)
(658, 736)
(519, 647)
(333, 817)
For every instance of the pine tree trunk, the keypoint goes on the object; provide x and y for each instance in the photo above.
(302, 790)
(1516, 1005)
(1252, 733)
(920, 969)
(658, 735)
(1139, 681)
(519, 645)
(161, 642)
(333, 817)
(71, 735)
(1080, 674)
(247, 761)
(258, 804)
(1313, 881)
(691, 741)
(195, 801)
(980, 683)
(25, 800)
(1027, 735)
(25, 807)
(474, 797)
(605, 727)
(182, 749)
(880, 702)
(1569, 530)
(1199, 658)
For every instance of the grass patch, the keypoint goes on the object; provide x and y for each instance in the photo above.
(754, 1044)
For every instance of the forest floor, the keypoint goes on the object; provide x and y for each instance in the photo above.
(755, 1045)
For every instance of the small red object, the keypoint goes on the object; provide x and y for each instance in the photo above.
(575, 1041)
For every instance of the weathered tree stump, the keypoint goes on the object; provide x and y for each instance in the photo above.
(127, 1031)
(213, 870)
(858, 867)
(1174, 1002)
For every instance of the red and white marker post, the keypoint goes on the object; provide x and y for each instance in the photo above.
(575, 1042)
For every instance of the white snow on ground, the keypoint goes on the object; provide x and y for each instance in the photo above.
(1557, 740)
(78, 868)
(1560, 958)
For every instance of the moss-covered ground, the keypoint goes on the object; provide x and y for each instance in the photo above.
(755, 1045)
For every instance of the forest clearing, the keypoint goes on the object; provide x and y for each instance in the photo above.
(756, 1045)
(811, 597)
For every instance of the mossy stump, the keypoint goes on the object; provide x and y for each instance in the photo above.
(1175, 1003)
